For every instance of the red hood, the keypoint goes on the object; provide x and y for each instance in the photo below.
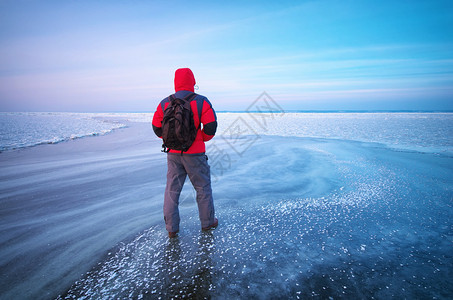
(184, 80)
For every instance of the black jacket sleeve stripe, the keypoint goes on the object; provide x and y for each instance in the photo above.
(210, 128)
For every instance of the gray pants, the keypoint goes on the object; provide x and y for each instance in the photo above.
(196, 166)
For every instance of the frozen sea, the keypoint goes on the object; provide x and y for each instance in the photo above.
(310, 205)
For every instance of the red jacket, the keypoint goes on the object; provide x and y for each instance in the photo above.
(184, 85)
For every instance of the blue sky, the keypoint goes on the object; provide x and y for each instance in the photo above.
(307, 55)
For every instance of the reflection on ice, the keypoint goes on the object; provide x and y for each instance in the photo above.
(152, 266)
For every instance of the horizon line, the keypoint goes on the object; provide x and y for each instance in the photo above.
(270, 111)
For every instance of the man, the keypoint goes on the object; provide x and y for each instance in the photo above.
(192, 162)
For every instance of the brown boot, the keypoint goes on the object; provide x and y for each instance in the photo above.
(172, 234)
(213, 226)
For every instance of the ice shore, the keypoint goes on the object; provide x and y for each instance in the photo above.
(64, 205)
(299, 217)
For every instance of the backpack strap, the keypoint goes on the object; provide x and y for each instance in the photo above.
(189, 98)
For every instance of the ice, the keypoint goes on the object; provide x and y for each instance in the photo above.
(428, 132)
(21, 130)
(370, 231)
(299, 217)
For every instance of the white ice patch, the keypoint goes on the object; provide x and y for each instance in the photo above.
(20, 130)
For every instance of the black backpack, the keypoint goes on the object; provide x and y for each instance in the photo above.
(178, 127)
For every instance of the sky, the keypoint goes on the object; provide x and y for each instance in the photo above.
(107, 56)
